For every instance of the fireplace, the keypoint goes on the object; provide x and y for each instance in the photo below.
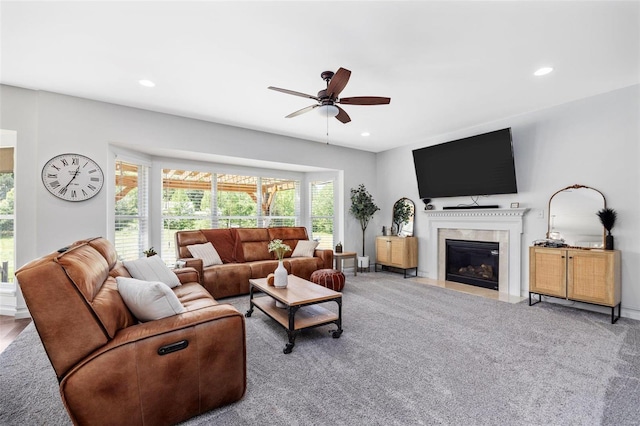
(473, 262)
(498, 225)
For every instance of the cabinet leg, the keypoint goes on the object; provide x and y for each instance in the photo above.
(531, 303)
(615, 318)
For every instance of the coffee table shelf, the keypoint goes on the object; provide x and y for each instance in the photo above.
(306, 317)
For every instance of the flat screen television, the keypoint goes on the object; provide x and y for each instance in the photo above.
(477, 165)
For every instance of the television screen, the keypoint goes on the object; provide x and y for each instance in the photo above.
(477, 165)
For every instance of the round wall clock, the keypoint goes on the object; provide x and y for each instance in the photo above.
(72, 177)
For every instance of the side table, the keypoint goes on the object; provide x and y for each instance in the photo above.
(340, 257)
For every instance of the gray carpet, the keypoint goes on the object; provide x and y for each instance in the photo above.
(410, 354)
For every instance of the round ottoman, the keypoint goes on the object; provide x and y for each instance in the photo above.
(329, 278)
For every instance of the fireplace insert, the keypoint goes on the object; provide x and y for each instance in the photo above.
(473, 262)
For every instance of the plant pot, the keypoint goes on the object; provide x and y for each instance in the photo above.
(363, 262)
(608, 242)
(280, 276)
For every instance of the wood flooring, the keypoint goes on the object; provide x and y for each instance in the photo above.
(10, 328)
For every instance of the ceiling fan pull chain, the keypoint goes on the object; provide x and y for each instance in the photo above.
(327, 127)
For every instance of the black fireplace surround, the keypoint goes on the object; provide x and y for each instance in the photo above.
(473, 262)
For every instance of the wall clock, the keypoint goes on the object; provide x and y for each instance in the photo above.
(72, 177)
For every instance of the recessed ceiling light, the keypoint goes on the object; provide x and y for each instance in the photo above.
(543, 71)
(365, 134)
(147, 83)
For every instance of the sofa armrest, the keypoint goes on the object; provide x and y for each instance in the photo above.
(187, 275)
(326, 256)
(191, 262)
(195, 360)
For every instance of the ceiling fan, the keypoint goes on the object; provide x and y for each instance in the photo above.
(328, 98)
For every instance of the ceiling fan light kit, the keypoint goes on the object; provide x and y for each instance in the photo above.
(328, 98)
(328, 110)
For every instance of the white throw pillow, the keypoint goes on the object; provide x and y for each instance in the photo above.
(305, 248)
(207, 252)
(149, 301)
(152, 269)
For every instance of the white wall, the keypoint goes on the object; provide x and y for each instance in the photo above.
(593, 141)
(48, 124)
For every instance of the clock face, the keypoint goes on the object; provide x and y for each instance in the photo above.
(72, 177)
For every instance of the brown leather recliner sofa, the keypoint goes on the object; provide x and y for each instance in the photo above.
(245, 255)
(113, 369)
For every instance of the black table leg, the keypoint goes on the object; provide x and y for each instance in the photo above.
(291, 331)
(250, 311)
(337, 333)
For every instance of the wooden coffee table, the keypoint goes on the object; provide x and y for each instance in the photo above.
(301, 299)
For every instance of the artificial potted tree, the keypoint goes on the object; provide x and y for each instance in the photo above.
(608, 219)
(362, 208)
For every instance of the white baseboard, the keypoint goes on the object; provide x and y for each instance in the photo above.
(8, 302)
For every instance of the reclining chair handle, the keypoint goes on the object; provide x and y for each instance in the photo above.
(173, 347)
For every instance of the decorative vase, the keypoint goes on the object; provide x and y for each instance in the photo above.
(608, 242)
(280, 276)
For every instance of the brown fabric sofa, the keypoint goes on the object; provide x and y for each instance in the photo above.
(111, 368)
(245, 255)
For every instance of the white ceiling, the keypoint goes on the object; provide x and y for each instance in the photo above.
(445, 65)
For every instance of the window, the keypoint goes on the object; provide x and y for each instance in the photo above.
(131, 210)
(201, 200)
(186, 204)
(7, 215)
(322, 213)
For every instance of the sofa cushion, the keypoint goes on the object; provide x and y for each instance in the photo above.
(305, 248)
(88, 269)
(151, 269)
(187, 238)
(290, 235)
(207, 253)
(149, 300)
(230, 279)
(255, 243)
(226, 243)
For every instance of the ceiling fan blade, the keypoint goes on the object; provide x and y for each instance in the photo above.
(342, 115)
(338, 82)
(293, 92)
(364, 100)
(302, 111)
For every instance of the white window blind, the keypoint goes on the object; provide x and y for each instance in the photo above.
(186, 204)
(131, 210)
(322, 213)
(7, 215)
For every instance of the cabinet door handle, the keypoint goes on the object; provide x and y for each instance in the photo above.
(563, 257)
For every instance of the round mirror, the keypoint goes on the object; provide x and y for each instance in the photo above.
(403, 213)
(573, 218)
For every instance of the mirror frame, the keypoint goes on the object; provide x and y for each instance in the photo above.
(400, 232)
(576, 186)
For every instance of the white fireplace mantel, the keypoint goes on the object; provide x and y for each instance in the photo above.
(509, 220)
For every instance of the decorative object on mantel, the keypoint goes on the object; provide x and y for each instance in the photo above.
(362, 208)
(608, 219)
(280, 274)
(150, 252)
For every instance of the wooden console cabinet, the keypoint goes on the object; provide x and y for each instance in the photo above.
(590, 276)
(397, 252)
